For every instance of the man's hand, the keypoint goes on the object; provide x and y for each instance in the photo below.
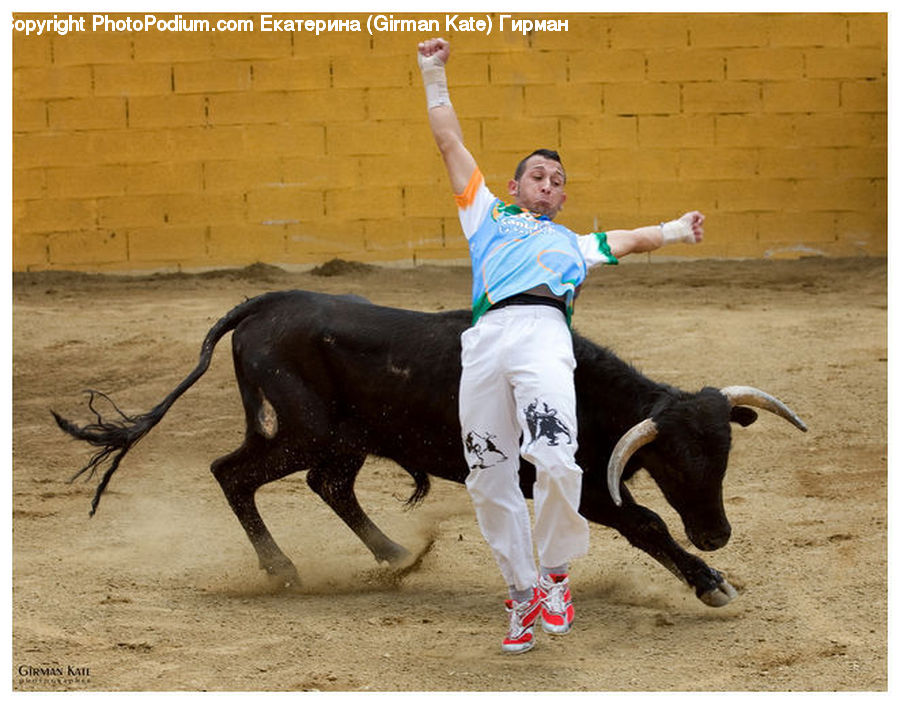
(432, 56)
(694, 220)
(688, 228)
(433, 50)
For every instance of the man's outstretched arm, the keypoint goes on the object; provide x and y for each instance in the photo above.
(688, 228)
(433, 55)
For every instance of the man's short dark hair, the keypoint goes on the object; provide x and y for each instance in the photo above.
(546, 153)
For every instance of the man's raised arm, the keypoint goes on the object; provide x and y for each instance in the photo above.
(433, 55)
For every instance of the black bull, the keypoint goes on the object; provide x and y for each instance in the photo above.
(327, 380)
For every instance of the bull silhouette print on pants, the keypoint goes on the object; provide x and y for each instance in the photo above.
(545, 424)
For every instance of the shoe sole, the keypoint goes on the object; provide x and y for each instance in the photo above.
(552, 630)
(517, 650)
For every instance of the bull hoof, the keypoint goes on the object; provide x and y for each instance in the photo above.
(411, 562)
(401, 565)
(396, 556)
(720, 596)
(284, 576)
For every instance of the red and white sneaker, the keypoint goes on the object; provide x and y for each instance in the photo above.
(557, 612)
(522, 615)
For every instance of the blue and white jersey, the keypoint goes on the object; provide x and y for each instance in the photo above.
(513, 250)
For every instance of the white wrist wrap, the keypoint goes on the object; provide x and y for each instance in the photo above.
(435, 81)
(677, 231)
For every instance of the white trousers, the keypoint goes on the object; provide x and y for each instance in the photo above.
(518, 382)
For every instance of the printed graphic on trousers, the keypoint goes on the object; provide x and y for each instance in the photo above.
(544, 423)
(481, 451)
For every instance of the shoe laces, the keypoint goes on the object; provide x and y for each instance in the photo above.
(555, 600)
(518, 610)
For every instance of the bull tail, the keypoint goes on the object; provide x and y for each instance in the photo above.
(423, 486)
(115, 437)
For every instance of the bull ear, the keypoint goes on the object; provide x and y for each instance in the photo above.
(743, 416)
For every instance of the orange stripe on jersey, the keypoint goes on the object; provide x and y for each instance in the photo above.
(467, 197)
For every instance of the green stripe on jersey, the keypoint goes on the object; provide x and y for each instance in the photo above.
(603, 246)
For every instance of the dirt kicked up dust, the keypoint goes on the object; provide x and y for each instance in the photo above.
(160, 590)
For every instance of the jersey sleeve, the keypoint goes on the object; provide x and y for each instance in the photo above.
(595, 249)
(474, 204)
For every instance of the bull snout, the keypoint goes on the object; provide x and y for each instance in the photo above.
(710, 539)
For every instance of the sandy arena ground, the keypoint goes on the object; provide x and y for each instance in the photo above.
(161, 591)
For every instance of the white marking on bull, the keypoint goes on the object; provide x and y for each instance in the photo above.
(399, 371)
(266, 417)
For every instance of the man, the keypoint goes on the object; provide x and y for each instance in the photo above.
(518, 365)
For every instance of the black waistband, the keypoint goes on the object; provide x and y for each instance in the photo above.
(528, 299)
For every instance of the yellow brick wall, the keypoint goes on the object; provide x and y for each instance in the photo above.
(147, 150)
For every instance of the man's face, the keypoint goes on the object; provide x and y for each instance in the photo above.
(541, 187)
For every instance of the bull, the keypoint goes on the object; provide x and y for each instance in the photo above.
(327, 380)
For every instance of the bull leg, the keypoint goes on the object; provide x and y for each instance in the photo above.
(646, 531)
(240, 474)
(334, 484)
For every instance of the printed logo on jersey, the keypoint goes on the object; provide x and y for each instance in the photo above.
(520, 226)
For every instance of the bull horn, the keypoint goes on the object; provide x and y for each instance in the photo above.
(633, 440)
(748, 396)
